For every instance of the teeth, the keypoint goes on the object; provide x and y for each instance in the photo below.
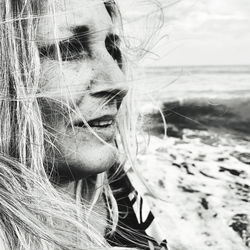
(101, 123)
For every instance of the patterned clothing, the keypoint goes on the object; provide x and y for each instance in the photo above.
(137, 227)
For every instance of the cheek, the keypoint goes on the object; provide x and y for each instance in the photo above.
(68, 80)
(59, 87)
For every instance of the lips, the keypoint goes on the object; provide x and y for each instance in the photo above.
(104, 126)
(100, 122)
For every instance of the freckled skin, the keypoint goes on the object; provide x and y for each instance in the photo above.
(80, 153)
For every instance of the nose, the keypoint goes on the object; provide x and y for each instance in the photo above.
(109, 81)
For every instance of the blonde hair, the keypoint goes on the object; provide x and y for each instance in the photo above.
(35, 214)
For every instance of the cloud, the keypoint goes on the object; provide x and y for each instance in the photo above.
(196, 24)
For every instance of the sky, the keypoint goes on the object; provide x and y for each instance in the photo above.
(194, 32)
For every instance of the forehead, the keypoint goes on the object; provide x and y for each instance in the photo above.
(60, 17)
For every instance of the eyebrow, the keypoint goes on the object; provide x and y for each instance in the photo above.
(71, 48)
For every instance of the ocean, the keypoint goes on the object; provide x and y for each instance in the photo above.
(196, 97)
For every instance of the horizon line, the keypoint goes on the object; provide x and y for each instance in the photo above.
(199, 65)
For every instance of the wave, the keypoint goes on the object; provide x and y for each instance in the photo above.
(228, 115)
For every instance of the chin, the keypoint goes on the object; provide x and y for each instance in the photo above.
(82, 160)
(97, 158)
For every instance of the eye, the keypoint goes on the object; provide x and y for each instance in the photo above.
(112, 43)
(74, 48)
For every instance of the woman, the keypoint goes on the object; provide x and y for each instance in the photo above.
(62, 90)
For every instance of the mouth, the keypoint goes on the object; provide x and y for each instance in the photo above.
(104, 126)
(100, 122)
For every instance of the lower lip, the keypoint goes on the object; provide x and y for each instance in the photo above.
(106, 133)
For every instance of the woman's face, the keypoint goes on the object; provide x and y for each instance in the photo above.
(89, 77)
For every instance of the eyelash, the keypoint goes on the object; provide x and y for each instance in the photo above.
(69, 50)
(72, 50)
